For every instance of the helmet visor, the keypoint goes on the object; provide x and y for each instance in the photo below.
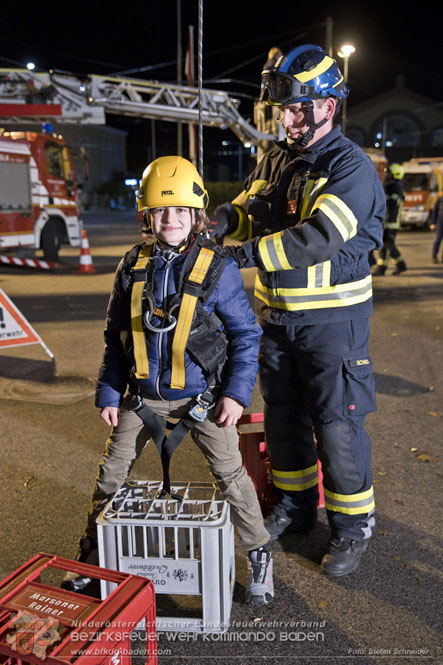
(284, 89)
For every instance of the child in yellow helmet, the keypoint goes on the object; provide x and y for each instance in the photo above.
(170, 292)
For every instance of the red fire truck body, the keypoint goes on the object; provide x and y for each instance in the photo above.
(39, 200)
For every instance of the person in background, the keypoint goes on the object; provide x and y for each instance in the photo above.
(437, 225)
(395, 197)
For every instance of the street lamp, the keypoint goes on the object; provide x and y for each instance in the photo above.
(345, 52)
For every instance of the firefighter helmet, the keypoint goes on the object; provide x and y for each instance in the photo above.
(171, 181)
(305, 73)
(397, 171)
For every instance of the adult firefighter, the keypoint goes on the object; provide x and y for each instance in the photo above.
(395, 197)
(314, 206)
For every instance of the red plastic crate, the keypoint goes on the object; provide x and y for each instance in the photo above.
(88, 631)
(257, 464)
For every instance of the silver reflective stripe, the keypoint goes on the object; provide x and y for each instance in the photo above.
(321, 297)
(319, 275)
(294, 481)
(350, 504)
(273, 254)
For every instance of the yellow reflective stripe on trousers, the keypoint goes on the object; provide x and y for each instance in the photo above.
(339, 213)
(138, 335)
(340, 295)
(350, 504)
(272, 253)
(184, 321)
(295, 481)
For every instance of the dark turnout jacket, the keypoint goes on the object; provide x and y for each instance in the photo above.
(315, 216)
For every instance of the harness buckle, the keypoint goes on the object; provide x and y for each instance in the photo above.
(199, 411)
(134, 402)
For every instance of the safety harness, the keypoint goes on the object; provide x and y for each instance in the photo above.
(196, 331)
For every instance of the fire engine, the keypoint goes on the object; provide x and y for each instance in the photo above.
(39, 201)
(423, 183)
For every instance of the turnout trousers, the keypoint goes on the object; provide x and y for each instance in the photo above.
(218, 444)
(318, 380)
(389, 249)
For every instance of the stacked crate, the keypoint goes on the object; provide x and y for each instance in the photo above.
(186, 547)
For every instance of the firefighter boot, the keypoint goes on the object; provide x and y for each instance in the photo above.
(343, 556)
(260, 589)
(279, 525)
(380, 270)
(87, 553)
(400, 267)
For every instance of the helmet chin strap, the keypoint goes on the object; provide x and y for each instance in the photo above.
(303, 141)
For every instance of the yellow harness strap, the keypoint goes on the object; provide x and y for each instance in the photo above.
(184, 321)
(138, 335)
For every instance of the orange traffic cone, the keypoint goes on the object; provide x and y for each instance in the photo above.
(85, 266)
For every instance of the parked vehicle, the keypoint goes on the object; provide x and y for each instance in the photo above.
(39, 200)
(423, 184)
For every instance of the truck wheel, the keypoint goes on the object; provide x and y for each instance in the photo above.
(50, 241)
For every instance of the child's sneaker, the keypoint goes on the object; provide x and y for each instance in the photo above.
(87, 553)
(260, 589)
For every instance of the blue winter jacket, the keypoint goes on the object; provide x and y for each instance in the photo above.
(228, 300)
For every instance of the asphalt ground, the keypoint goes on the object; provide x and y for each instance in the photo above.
(389, 611)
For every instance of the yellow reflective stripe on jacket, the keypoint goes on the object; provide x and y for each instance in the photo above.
(340, 295)
(243, 198)
(272, 253)
(244, 229)
(138, 335)
(295, 480)
(339, 213)
(312, 191)
(240, 205)
(321, 68)
(350, 504)
(184, 321)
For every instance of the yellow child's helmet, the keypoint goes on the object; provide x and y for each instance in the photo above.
(397, 171)
(171, 181)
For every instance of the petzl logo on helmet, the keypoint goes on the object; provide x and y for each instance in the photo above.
(167, 192)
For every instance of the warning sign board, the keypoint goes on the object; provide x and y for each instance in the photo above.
(15, 330)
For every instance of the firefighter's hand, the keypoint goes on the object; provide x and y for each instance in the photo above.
(227, 411)
(110, 415)
(219, 226)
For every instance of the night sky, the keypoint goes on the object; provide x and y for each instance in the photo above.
(391, 38)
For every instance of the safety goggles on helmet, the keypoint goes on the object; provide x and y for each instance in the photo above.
(281, 89)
